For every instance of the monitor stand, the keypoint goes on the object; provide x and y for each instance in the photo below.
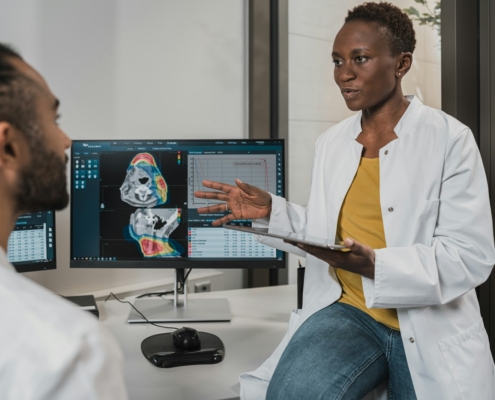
(158, 309)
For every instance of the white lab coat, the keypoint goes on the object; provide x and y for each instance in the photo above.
(51, 350)
(438, 230)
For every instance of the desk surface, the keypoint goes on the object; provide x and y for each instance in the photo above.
(259, 322)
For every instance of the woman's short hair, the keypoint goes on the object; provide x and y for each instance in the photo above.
(398, 27)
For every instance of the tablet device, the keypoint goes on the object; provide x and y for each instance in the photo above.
(290, 236)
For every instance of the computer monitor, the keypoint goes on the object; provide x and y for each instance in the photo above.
(133, 204)
(31, 245)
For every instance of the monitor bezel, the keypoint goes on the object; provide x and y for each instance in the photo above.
(188, 263)
(41, 266)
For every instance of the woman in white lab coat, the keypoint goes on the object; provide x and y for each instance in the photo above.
(403, 184)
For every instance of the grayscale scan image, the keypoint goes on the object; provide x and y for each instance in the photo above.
(158, 223)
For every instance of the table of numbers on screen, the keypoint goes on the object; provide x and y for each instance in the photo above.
(27, 244)
(212, 243)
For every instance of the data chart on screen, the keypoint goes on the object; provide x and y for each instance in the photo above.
(259, 171)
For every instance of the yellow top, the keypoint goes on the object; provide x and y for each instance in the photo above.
(361, 219)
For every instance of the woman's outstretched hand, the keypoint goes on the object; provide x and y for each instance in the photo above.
(243, 201)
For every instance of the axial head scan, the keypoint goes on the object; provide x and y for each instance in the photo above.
(144, 185)
(151, 228)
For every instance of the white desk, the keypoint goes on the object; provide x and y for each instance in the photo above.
(259, 322)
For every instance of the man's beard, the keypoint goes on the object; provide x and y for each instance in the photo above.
(43, 185)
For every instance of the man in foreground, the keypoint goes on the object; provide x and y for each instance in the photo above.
(48, 348)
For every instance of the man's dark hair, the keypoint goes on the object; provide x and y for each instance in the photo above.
(398, 27)
(42, 185)
(17, 95)
(8, 51)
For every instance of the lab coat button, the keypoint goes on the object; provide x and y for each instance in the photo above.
(411, 340)
(390, 209)
(386, 152)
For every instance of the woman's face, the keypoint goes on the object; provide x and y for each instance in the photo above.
(365, 69)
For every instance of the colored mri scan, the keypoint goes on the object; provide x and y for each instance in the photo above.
(144, 185)
(149, 228)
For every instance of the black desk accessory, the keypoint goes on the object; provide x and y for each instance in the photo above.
(186, 339)
(87, 303)
(300, 285)
(161, 351)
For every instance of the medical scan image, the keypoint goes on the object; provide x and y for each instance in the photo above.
(144, 185)
(151, 228)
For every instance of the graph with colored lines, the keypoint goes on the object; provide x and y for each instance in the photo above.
(258, 170)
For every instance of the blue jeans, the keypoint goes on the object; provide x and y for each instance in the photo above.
(341, 352)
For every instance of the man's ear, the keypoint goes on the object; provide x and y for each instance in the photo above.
(404, 62)
(12, 147)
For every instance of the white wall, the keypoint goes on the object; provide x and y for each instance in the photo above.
(315, 104)
(123, 69)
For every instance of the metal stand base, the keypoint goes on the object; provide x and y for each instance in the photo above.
(168, 310)
(164, 310)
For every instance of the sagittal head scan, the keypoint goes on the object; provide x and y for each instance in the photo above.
(151, 228)
(144, 185)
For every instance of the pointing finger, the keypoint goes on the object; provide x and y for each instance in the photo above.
(224, 187)
(212, 209)
(211, 195)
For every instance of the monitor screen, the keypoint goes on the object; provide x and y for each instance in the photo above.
(133, 204)
(31, 245)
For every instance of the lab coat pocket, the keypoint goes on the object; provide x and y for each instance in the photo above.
(426, 219)
(470, 362)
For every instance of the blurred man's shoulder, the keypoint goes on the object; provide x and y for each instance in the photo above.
(45, 338)
(41, 307)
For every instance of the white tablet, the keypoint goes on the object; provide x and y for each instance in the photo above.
(289, 236)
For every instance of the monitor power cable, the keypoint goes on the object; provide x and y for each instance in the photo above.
(157, 294)
(139, 312)
(180, 289)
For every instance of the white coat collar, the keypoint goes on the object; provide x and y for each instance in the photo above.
(406, 124)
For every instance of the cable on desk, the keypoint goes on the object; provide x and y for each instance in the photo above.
(155, 294)
(139, 312)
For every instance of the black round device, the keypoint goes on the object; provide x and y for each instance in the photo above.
(186, 339)
(161, 351)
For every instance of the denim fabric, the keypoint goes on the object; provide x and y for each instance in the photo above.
(341, 352)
